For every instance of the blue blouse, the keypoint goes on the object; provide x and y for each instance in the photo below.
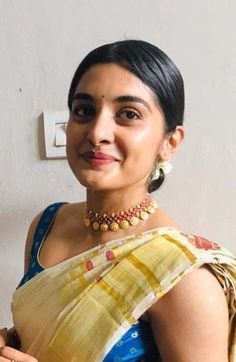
(137, 344)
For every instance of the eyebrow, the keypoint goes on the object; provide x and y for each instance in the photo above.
(121, 99)
(129, 98)
(83, 96)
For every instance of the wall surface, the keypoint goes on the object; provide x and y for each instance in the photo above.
(41, 43)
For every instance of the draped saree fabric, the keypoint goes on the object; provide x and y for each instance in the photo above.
(78, 309)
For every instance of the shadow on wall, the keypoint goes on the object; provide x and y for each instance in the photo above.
(41, 139)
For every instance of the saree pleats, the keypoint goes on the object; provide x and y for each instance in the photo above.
(78, 309)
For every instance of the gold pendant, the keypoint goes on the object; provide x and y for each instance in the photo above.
(124, 224)
(114, 226)
(151, 209)
(154, 204)
(95, 225)
(144, 215)
(133, 220)
(87, 222)
(104, 227)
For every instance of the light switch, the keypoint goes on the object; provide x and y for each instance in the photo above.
(60, 130)
(55, 123)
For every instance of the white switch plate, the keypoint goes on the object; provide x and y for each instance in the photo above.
(51, 120)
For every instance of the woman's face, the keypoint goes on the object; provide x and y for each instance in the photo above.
(115, 131)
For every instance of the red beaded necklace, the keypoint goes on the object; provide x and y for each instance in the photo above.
(123, 219)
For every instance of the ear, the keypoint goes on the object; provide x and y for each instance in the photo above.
(171, 143)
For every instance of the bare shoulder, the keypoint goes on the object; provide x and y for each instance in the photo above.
(199, 285)
(162, 219)
(193, 320)
(71, 209)
(68, 217)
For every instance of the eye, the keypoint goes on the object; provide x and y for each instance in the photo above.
(83, 113)
(129, 114)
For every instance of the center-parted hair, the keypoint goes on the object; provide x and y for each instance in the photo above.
(153, 67)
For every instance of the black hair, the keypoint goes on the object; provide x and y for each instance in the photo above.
(153, 67)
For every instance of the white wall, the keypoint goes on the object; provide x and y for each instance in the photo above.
(42, 42)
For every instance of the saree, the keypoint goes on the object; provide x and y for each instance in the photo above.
(78, 309)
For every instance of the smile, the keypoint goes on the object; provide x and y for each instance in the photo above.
(97, 158)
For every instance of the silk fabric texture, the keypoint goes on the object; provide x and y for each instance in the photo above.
(78, 309)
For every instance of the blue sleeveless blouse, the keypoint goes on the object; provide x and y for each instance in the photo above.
(137, 344)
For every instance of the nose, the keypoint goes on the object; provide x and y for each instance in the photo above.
(101, 129)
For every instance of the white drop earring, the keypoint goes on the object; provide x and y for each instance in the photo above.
(165, 166)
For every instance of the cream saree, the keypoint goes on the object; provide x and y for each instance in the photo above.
(78, 309)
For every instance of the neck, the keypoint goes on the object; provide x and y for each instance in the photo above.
(114, 201)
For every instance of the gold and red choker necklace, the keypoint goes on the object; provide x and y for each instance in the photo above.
(123, 219)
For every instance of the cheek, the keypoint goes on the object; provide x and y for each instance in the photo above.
(71, 144)
(73, 135)
(142, 135)
(147, 143)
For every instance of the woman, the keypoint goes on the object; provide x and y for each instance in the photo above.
(115, 278)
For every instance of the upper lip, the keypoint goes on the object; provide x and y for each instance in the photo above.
(98, 155)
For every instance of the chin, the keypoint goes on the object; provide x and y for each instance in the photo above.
(99, 183)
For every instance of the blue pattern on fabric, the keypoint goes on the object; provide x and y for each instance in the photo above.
(137, 344)
(41, 231)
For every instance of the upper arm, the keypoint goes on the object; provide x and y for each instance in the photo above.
(29, 240)
(190, 323)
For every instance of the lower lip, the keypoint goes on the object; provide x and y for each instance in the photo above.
(98, 161)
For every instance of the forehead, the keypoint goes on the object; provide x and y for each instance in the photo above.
(109, 80)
